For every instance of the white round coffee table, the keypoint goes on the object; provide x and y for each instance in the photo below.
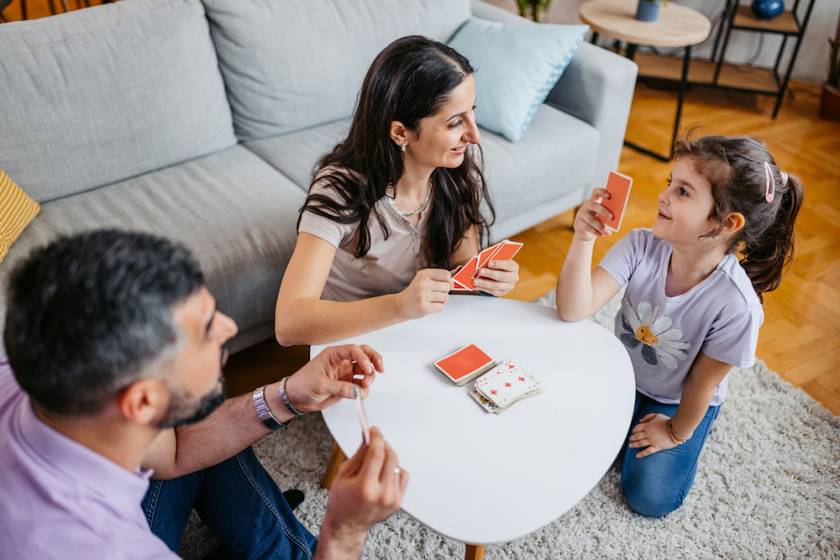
(482, 478)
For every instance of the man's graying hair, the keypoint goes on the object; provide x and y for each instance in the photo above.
(91, 313)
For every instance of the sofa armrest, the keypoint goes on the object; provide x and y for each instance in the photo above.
(597, 88)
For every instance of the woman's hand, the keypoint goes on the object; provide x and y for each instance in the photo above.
(498, 278)
(651, 433)
(587, 225)
(427, 293)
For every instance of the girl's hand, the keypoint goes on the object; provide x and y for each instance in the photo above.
(498, 278)
(587, 225)
(651, 433)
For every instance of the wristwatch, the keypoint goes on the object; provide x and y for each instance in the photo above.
(263, 411)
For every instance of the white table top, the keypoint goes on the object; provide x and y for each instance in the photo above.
(482, 478)
(677, 26)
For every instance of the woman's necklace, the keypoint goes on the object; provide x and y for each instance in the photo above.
(408, 214)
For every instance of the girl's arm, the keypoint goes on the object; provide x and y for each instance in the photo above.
(582, 291)
(705, 375)
(302, 317)
(652, 432)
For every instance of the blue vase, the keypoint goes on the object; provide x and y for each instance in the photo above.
(647, 10)
(768, 9)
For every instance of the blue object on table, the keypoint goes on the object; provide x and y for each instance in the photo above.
(768, 9)
(647, 10)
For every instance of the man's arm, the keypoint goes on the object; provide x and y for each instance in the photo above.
(235, 425)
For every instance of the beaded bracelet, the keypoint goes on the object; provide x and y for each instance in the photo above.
(673, 435)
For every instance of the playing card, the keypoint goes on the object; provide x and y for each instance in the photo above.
(463, 278)
(360, 412)
(506, 384)
(465, 364)
(618, 186)
(482, 401)
(502, 251)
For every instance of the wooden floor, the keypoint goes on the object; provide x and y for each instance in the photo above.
(799, 336)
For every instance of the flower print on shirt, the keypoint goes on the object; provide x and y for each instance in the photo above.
(659, 342)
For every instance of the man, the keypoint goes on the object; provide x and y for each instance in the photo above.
(115, 354)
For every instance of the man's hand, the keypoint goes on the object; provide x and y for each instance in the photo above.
(330, 376)
(368, 489)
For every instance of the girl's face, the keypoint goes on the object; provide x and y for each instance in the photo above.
(685, 206)
(442, 139)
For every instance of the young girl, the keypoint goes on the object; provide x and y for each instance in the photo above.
(692, 309)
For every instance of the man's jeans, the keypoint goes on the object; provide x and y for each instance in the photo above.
(656, 485)
(238, 501)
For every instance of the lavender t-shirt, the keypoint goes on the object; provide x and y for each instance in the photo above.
(719, 317)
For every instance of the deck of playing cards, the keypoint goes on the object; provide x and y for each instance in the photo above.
(464, 277)
(465, 365)
(503, 386)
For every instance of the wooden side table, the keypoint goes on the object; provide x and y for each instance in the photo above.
(677, 27)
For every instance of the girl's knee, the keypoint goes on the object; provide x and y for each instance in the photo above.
(650, 500)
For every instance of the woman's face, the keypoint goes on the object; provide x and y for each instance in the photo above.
(442, 138)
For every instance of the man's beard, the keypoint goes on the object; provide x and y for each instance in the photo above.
(184, 409)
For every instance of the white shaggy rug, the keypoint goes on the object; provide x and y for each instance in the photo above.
(767, 486)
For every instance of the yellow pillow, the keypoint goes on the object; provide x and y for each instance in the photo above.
(16, 211)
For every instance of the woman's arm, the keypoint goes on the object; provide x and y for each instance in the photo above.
(582, 291)
(302, 317)
(651, 431)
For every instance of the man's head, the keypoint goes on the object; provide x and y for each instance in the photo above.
(116, 319)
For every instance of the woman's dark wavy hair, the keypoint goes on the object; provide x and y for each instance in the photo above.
(407, 82)
(734, 166)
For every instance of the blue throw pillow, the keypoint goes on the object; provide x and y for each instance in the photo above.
(515, 68)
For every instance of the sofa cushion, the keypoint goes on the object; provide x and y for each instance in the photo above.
(298, 63)
(516, 66)
(557, 156)
(232, 209)
(296, 154)
(95, 96)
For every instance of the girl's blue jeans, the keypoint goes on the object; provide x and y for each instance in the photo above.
(656, 485)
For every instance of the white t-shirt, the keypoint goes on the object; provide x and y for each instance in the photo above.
(719, 317)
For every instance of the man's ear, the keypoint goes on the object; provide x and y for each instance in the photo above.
(400, 135)
(733, 223)
(144, 401)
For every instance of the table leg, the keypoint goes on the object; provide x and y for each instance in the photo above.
(335, 461)
(677, 117)
(474, 552)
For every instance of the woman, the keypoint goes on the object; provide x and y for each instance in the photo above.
(393, 207)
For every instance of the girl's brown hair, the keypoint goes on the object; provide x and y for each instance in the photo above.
(735, 167)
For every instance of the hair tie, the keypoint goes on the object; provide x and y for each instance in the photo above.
(770, 183)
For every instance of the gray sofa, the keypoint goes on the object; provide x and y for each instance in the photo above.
(202, 121)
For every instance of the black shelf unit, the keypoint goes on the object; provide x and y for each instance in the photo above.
(788, 25)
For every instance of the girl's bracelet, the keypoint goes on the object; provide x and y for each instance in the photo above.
(675, 437)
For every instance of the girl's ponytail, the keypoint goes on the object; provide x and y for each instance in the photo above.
(766, 256)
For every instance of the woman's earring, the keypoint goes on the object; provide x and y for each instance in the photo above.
(402, 147)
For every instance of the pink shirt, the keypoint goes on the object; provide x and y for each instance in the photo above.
(61, 500)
